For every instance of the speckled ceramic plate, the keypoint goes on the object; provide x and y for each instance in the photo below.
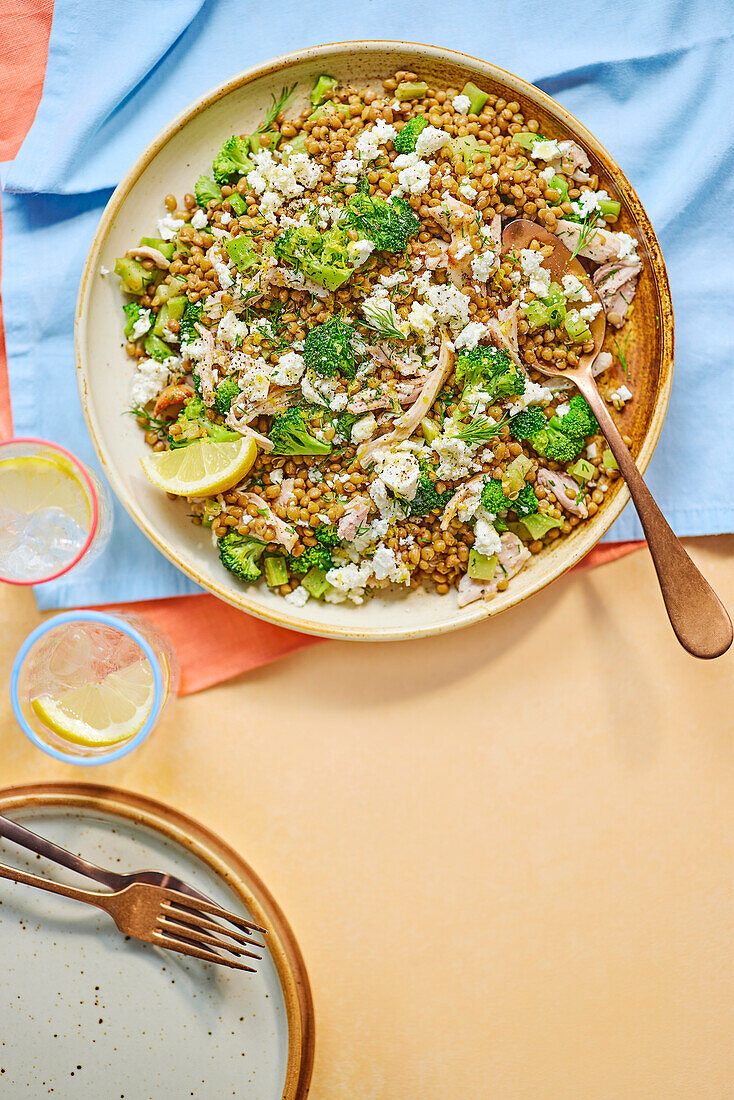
(172, 162)
(85, 1013)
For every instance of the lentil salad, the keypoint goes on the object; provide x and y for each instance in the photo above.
(335, 295)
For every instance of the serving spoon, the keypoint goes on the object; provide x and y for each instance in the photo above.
(699, 619)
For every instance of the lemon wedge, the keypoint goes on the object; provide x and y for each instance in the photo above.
(201, 469)
(103, 713)
(32, 483)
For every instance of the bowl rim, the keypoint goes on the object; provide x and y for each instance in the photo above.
(587, 537)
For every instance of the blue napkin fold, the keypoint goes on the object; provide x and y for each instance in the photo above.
(653, 81)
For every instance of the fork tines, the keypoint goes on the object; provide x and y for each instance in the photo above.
(182, 928)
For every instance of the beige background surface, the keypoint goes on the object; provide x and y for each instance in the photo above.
(506, 853)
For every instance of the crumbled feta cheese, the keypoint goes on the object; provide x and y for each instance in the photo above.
(104, 270)
(469, 192)
(149, 379)
(225, 218)
(360, 251)
(388, 566)
(455, 458)
(169, 226)
(588, 202)
(574, 289)
(464, 249)
(450, 303)
(470, 336)
(348, 582)
(400, 473)
(142, 324)
(547, 174)
(254, 377)
(379, 310)
(626, 245)
(467, 508)
(414, 174)
(199, 220)
(214, 255)
(384, 130)
(298, 597)
(348, 168)
(461, 104)
(387, 507)
(364, 428)
(422, 319)
(270, 204)
(618, 397)
(588, 313)
(305, 170)
(289, 369)
(483, 265)
(534, 394)
(393, 280)
(545, 150)
(276, 475)
(592, 451)
(486, 539)
(561, 410)
(531, 262)
(430, 140)
(231, 329)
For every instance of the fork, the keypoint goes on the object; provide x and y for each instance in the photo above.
(162, 917)
(11, 830)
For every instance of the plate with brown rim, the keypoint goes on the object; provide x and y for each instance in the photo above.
(87, 1012)
(177, 155)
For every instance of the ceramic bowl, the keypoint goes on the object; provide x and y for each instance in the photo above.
(171, 163)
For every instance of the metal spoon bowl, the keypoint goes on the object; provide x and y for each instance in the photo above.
(699, 619)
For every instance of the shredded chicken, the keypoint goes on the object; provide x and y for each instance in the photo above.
(507, 319)
(406, 424)
(616, 284)
(454, 217)
(285, 534)
(495, 231)
(561, 485)
(462, 495)
(205, 365)
(389, 395)
(237, 420)
(602, 246)
(355, 514)
(295, 280)
(574, 162)
(510, 560)
(285, 496)
(146, 252)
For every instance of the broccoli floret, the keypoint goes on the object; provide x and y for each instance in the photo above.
(290, 435)
(225, 394)
(194, 424)
(323, 257)
(579, 422)
(526, 502)
(388, 224)
(404, 142)
(232, 160)
(426, 498)
(240, 554)
(329, 349)
(191, 316)
(491, 369)
(526, 423)
(205, 189)
(318, 556)
(493, 496)
(327, 535)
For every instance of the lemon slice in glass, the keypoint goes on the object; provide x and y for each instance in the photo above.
(103, 713)
(32, 483)
(201, 469)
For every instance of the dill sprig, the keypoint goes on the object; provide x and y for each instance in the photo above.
(382, 321)
(587, 234)
(621, 356)
(152, 423)
(275, 108)
(482, 430)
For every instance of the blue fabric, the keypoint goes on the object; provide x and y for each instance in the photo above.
(652, 80)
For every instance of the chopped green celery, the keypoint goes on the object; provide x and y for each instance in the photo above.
(526, 140)
(315, 582)
(170, 290)
(534, 527)
(276, 570)
(157, 349)
(608, 460)
(536, 314)
(555, 295)
(430, 428)
(480, 567)
(555, 300)
(577, 329)
(241, 252)
(517, 471)
(135, 278)
(238, 204)
(323, 111)
(323, 89)
(610, 208)
(212, 508)
(294, 145)
(477, 98)
(466, 146)
(411, 89)
(257, 144)
(582, 471)
(559, 184)
(166, 247)
(172, 310)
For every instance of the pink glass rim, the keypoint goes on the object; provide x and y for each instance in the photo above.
(34, 441)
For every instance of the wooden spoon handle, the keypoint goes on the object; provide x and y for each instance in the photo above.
(696, 613)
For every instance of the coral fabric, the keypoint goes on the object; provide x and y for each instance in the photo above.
(213, 640)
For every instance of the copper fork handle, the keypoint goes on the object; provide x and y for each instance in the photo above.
(696, 613)
(88, 896)
(11, 830)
